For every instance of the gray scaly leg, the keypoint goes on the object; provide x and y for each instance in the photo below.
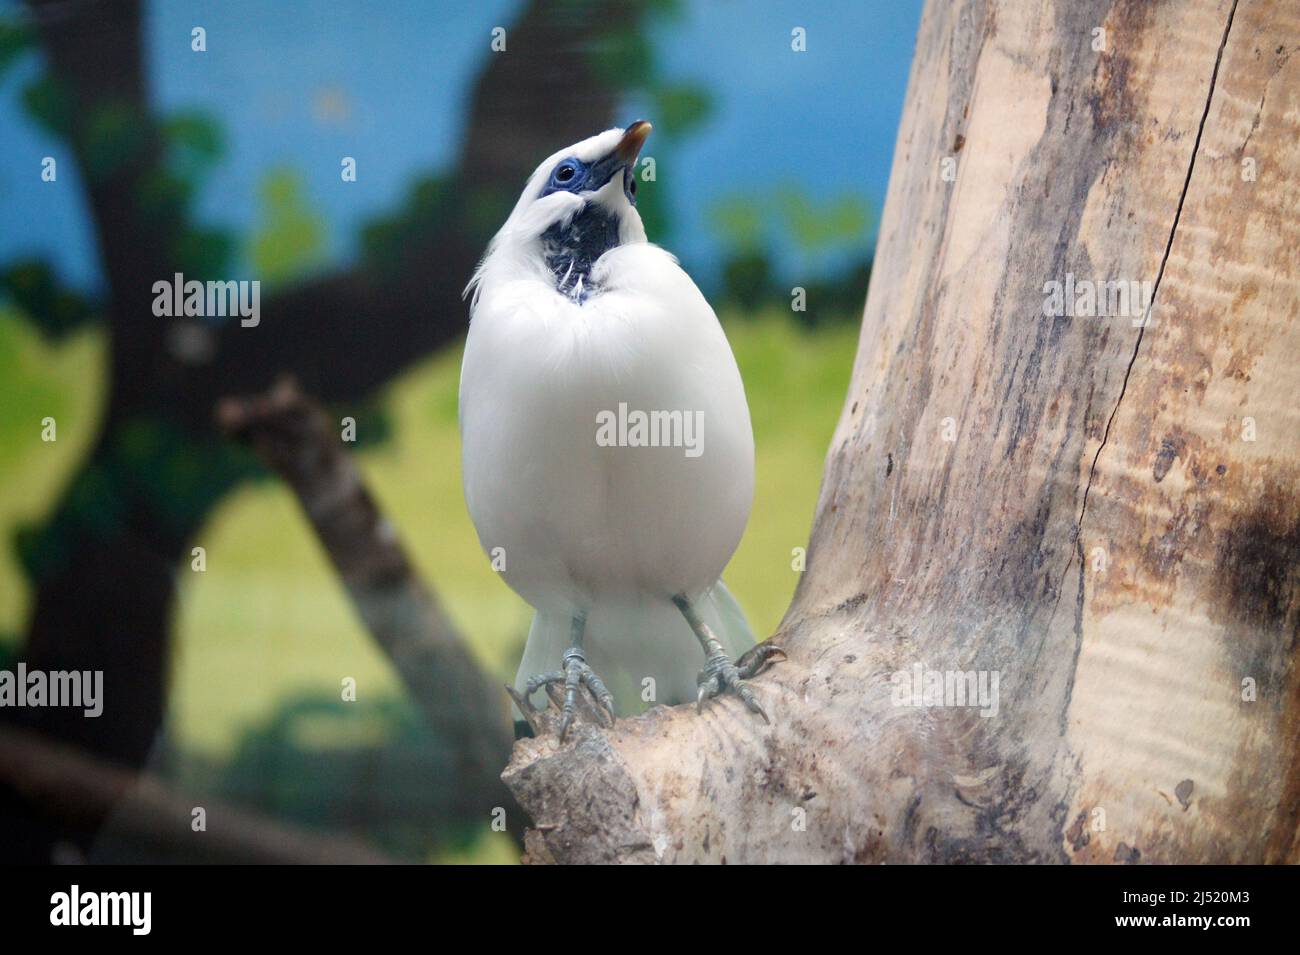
(720, 675)
(575, 674)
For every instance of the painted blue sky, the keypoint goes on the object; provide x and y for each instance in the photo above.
(300, 85)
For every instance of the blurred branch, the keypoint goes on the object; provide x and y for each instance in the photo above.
(292, 436)
(66, 786)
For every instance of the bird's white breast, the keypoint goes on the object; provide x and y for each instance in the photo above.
(579, 522)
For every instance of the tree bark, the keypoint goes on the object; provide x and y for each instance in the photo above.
(1076, 504)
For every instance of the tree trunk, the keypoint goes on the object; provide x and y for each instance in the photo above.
(1099, 512)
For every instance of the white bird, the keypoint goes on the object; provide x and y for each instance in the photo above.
(607, 454)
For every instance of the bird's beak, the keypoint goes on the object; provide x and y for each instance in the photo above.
(623, 158)
(634, 138)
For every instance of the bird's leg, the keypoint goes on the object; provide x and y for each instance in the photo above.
(720, 675)
(574, 674)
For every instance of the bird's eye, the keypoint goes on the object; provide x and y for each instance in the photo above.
(569, 175)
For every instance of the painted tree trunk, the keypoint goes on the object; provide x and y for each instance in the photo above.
(1077, 500)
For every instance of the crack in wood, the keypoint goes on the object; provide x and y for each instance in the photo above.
(1164, 259)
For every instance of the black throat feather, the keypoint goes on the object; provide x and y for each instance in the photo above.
(573, 249)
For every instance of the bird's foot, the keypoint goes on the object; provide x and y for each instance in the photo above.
(720, 675)
(574, 675)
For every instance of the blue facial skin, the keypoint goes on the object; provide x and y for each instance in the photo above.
(572, 250)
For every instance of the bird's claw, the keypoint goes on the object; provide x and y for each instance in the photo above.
(757, 659)
(575, 674)
(720, 675)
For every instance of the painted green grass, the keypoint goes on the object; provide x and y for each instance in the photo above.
(39, 379)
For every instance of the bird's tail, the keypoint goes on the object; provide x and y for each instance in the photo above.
(643, 650)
